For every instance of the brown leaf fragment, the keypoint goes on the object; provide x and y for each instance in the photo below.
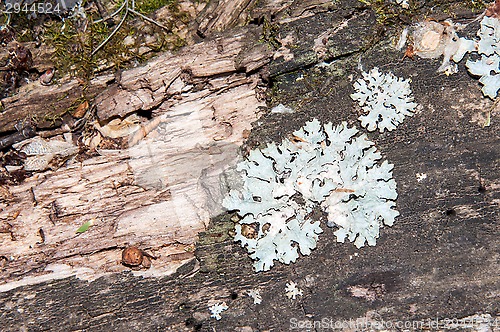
(80, 111)
(146, 262)
(15, 214)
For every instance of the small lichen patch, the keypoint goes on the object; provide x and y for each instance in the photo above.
(386, 98)
(291, 290)
(217, 309)
(255, 295)
(487, 66)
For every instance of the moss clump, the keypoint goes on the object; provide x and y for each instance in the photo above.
(218, 231)
(387, 12)
(149, 6)
(75, 36)
(475, 5)
(75, 39)
(72, 48)
(269, 34)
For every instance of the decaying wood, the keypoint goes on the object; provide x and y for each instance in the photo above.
(228, 13)
(438, 262)
(160, 193)
(166, 78)
(46, 104)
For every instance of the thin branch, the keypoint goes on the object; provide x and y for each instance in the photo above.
(149, 20)
(111, 35)
(6, 23)
(127, 10)
(114, 14)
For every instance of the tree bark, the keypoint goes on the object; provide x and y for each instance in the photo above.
(439, 261)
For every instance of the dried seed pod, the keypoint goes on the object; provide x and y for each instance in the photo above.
(132, 256)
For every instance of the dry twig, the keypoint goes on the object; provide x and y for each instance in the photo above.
(127, 9)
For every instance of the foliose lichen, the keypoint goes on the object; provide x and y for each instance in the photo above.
(487, 66)
(386, 98)
(326, 167)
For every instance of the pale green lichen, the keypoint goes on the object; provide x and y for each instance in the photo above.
(487, 66)
(326, 167)
(385, 98)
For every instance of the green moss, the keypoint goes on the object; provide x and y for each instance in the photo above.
(74, 39)
(77, 102)
(51, 118)
(115, 52)
(72, 49)
(218, 231)
(475, 5)
(270, 33)
(149, 6)
(387, 12)
(74, 43)
(21, 24)
(216, 238)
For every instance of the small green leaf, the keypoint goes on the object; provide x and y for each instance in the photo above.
(84, 227)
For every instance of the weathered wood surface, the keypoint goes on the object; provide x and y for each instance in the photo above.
(163, 80)
(439, 260)
(47, 104)
(157, 194)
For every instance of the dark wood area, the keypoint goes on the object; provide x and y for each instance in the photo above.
(441, 258)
